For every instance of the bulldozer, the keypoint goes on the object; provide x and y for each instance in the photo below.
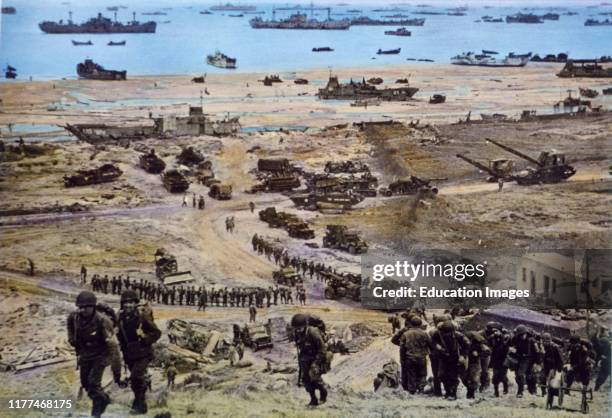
(286, 276)
(411, 185)
(174, 181)
(165, 263)
(341, 238)
(220, 191)
(104, 174)
(500, 168)
(550, 167)
(339, 286)
(151, 163)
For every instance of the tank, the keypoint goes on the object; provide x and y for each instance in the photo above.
(497, 169)
(342, 286)
(165, 263)
(151, 163)
(189, 156)
(175, 182)
(549, 167)
(103, 174)
(278, 183)
(220, 191)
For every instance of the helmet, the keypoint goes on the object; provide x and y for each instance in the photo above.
(446, 326)
(415, 321)
(546, 337)
(299, 320)
(521, 329)
(86, 298)
(129, 295)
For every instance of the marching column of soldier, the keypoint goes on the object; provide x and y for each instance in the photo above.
(470, 357)
(199, 296)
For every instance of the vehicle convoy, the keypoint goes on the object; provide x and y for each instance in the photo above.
(151, 163)
(295, 226)
(342, 286)
(411, 185)
(220, 191)
(103, 174)
(99, 24)
(286, 276)
(341, 238)
(500, 168)
(174, 181)
(550, 167)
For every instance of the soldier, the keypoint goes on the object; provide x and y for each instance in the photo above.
(522, 349)
(201, 203)
(137, 333)
(416, 344)
(119, 284)
(500, 344)
(312, 357)
(171, 373)
(580, 359)
(252, 206)
(181, 293)
(83, 275)
(476, 350)
(603, 354)
(275, 292)
(172, 295)
(202, 300)
(194, 201)
(396, 323)
(552, 360)
(105, 284)
(113, 285)
(252, 313)
(91, 334)
(451, 347)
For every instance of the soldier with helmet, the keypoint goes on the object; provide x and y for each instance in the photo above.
(552, 359)
(91, 333)
(137, 333)
(416, 343)
(522, 349)
(580, 357)
(312, 357)
(451, 348)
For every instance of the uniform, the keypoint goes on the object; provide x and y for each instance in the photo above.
(311, 357)
(451, 348)
(416, 344)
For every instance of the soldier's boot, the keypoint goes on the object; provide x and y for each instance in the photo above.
(543, 389)
(519, 393)
(496, 390)
(470, 393)
(99, 405)
(323, 394)
(313, 398)
(139, 406)
(505, 383)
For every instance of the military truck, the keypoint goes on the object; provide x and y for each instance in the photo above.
(256, 336)
(287, 276)
(316, 201)
(341, 238)
(348, 166)
(295, 226)
(189, 156)
(300, 230)
(278, 165)
(165, 263)
(411, 185)
(151, 163)
(174, 181)
(339, 286)
(103, 174)
(277, 183)
(220, 191)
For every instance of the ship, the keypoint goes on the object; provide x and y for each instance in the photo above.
(120, 43)
(10, 72)
(389, 51)
(9, 10)
(594, 22)
(229, 7)
(92, 71)
(221, 60)
(368, 21)
(524, 18)
(584, 68)
(484, 60)
(322, 49)
(334, 90)
(77, 43)
(399, 32)
(99, 24)
(300, 21)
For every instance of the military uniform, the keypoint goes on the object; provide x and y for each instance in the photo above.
(499, 342)
(476, 350)
(137, 333)
(94, 341)
(523, 351)
(451, 348)
(311, 357)
(416, 344)
(580, 357)
(603, 351)
(552, 360)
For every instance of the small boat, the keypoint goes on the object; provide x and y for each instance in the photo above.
(77, 43)
(487, 52)
(111, 43)
(437, 98)
(399, 32)
(240, 15)
(205, 12)
(388, 51)
(10, 72)
(221, 60)
(322, 49)
(300, 81)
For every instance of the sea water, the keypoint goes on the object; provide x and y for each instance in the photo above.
(181, 46)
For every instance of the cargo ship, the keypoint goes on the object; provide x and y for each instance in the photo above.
(221, 60)
(594, 22)
(362, 90)
(300, 21)
(524, 18)
(229, 7)
(399, 32)
(99, 24)
(484, 60)
(368, 21)
(92, 71)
